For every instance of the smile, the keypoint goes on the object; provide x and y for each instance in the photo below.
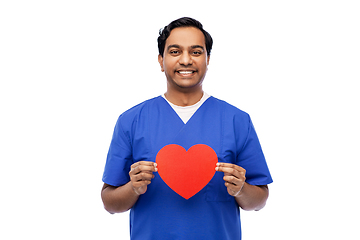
(185, 72)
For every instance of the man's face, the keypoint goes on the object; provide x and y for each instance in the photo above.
(185, 59)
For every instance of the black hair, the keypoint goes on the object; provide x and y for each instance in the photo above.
(183, 22)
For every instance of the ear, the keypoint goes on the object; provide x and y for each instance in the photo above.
(161, 62)
(208, 60)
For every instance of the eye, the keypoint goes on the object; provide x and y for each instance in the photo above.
(174, 52)
(197, 52)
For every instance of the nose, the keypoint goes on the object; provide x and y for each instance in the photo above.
(185, 59)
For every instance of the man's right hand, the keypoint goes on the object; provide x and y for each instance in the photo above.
(141, 174)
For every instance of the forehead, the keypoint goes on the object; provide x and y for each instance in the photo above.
(186, 37)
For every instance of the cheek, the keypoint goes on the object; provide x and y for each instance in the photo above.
(203, 64)
(168, 70)
(168, 65)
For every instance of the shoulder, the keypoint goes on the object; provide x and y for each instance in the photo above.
(230, 110)
(138, 110)
(129, 120)
(235, 119)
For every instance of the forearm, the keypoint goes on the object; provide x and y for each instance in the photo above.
(118, 199)
(252, 197)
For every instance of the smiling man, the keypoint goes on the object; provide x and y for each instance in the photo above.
(186, 118)
(184, 62)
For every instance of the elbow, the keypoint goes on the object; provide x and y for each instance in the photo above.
(262, 204)
(113, 208)
(110, 209)
(111, 205)
(108, 206)
(256, 200)
(117, 199)
(252, 207)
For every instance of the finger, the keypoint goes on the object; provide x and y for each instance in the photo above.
(239, 173)
(141, 183)
(142, 176)
(232, 187)
(143, 167)
(234, 180)
(145, 163)
(229, 165)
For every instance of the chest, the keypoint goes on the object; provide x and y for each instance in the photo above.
(160, 125)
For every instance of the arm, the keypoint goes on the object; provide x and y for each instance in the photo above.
(121, 199)
(118, 199)
(252, 197)
(249, 197)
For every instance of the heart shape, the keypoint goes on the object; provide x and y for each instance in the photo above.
(186, 172)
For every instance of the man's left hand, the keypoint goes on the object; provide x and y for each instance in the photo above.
(234, 177)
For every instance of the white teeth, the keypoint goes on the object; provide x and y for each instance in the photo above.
(185, 72)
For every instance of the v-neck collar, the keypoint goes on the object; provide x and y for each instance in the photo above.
(173, 112)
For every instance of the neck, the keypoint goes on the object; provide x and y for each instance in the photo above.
(184, 99)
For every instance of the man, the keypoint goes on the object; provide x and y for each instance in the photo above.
(184, 116)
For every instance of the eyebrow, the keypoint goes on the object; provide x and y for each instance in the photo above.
(197, 46)
(178, 46)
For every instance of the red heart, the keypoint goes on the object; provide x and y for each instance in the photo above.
(186, 172)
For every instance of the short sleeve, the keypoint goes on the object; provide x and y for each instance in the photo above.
(119, 158)
(252, 159)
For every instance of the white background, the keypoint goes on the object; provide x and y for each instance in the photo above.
(68, 69)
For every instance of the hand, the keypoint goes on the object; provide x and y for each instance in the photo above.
(234, 177)
(141, 174)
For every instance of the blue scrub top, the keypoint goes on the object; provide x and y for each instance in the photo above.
(161, 213)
